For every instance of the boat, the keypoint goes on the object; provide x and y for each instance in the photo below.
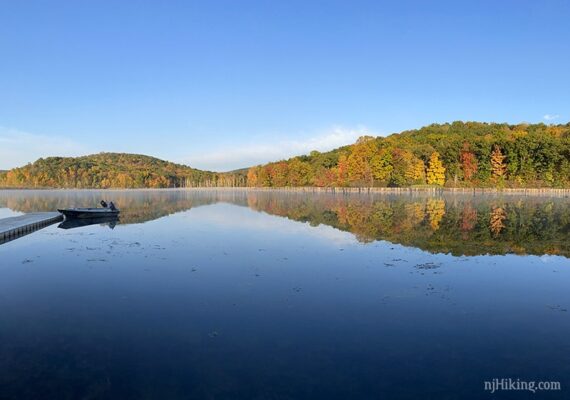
(71, 213)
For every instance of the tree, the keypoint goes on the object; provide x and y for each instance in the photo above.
(342, 170)
(279, 174)
(468, 162)
(325, 177)
(435, 171)
(252, 176)
(498, 166)
(263, 177)
(416, 170)
(299, 172)
(359, 161)
(381, 165)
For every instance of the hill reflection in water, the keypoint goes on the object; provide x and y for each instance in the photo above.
(456, 224)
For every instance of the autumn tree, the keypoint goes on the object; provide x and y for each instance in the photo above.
(252, 176)
(498, 166)
(468, 162)
(416, 170)
(280, 174)
(381, 165)
(325, 177)
(435, 170)
(342, 170)
(299, 173)
(407, 168)
(264, 176)
(359, 161)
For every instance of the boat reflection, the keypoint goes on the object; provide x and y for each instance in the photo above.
(111, 222)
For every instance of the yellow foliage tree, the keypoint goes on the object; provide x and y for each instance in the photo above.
(435, 170)
(498, 166)
(358, 162)
(416, 170)
(252, 176)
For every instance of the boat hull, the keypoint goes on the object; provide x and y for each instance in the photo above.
(74, 213)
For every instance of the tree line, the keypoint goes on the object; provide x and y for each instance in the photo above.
(458, 154)
(113, 170)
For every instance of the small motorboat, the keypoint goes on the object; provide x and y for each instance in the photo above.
(71, 213)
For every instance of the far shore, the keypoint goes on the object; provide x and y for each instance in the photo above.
(553, 192)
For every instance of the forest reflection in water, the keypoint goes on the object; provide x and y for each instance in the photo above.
(449, 223)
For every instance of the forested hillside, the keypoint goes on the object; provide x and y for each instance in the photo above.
(458, 154)
(113, 170)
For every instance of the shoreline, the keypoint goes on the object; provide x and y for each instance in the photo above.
(554, 192)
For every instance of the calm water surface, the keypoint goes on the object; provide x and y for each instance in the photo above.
(267, 295)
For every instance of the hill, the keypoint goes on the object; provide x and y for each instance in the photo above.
(111, 170)
(458, 154)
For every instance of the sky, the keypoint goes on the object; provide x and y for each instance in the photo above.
(221, 85)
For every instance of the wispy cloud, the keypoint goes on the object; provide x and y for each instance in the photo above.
(18, 148)
(252, 154)
(551, 117)
(245, 218)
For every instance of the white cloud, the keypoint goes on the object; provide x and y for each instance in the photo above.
(238, 217)
(550, 117)
(18, 148)
(246, 155)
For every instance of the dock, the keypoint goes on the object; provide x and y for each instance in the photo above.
(15, 227)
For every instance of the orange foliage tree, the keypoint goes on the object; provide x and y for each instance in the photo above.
(468, 162)
(498, 165)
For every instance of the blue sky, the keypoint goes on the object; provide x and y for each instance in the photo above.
(221, 85)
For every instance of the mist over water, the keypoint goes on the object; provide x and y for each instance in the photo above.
(252, 294)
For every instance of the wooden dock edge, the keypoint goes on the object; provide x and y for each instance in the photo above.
(26, 228)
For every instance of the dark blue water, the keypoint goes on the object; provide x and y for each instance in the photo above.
(236, 295)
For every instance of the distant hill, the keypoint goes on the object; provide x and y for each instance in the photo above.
(111, 170)
(242, 171)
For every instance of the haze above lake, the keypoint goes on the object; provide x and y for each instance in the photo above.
(243, 294)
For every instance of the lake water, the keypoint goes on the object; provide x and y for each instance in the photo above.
(281, 295)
